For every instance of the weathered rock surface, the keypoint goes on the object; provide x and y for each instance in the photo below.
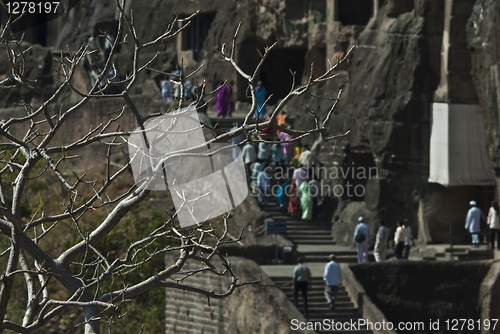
(483, 35)
(388, 89)
(401, 293)
(388, 83)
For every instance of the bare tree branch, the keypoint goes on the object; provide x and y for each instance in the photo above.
(41, 152)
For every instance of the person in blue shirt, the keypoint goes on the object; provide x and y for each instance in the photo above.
(361, 239)
(263, 187)
(261, 94)
(333, 280)
(473, 222)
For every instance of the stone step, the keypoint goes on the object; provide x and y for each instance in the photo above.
(310, 226)
(306, 231)
(305, 225)
(287, 279)
(357, 331)
(315, 227)
(309, 236)
(319, 312)
(326, 240)
(325, 259)
(311, 239)
(337, 253)
(316, 287)
(309, 242)
(321, 300)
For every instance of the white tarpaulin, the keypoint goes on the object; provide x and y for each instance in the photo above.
(458, 150)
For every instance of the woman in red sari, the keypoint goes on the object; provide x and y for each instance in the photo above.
(294, 201)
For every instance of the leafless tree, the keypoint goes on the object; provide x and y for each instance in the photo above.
(81, 268)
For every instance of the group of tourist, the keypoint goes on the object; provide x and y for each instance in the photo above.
(403, 237)
(225, 105)
(172, 89)
(297, 189)
(302, 281)
(93, 62)
(473, 223)
(403, 240)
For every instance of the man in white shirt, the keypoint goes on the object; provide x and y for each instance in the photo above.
(494, 224)
(473, 222)
(263, 187)
(361, 239)
(249, 156)
(333, 279)
(264, 153)
(307, 158)
(408, 239)
(399, 240)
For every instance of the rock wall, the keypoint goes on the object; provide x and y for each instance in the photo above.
(483, 33)
(388, 83)
(401, 293)
(388, 88)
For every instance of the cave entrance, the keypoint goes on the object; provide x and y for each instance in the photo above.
(195, 34)
(483, 195)
(355, 12)
(275, 73)
(248, 59)
(34, 28)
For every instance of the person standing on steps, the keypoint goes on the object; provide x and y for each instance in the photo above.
(494, 224)
(278, 156)
(473, 222)
(223, 100)
(333, 280)
(409, 241)
(249, 156)
(288, 145)
(381, 242)
(306, 203)
(261, 94)
(361, 239)
(399, 240)
(263, 187)
(301, 280)
(264, 153)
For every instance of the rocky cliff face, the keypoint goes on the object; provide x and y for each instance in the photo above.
(483, 35)
(389, 86)
(388, 83)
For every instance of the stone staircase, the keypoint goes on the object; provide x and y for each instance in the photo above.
(469, 253)
(302, 232)
(319, 310)
(313, 239)
(314, 242)
(226, 123)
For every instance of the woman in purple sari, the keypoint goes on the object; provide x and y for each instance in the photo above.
(288, 148)
(224, 103)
